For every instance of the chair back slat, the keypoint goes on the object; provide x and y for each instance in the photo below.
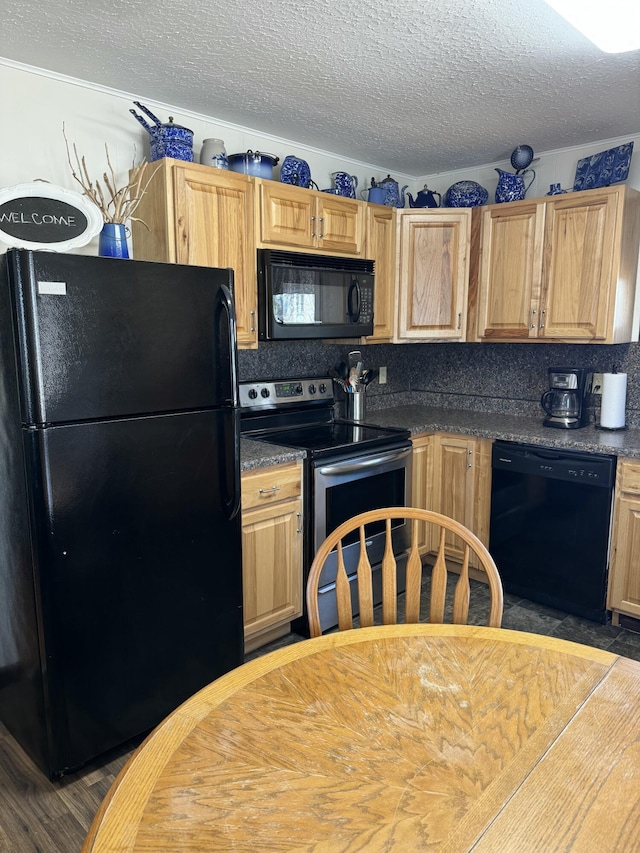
(389, 580)
(438, 583)
(365, 583)
(439, 572)
(463, 592)
(413, 583)
(343, 594)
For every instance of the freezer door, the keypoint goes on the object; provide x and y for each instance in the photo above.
(138, 568)
(105, 337)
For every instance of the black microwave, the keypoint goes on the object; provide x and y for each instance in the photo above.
(304, 296)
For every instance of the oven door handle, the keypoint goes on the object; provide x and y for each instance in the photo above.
(350, 466)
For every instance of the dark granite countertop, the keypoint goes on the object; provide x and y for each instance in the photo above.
(259, 454)
(529, 430)
(420, 418)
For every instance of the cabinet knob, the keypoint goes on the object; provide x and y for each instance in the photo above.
(253, 321)
(533, 318)
(542, 313)
(299, 516)
(313, 227)
(321, 234)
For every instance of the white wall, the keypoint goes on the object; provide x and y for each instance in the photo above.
(35, 104)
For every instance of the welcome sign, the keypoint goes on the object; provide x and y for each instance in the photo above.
(44, 216)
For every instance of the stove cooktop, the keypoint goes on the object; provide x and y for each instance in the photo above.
(299, 413)
(333, 437)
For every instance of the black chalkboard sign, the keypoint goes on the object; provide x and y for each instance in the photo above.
(40, 215)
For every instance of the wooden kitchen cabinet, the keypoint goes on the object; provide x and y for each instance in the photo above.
(205, 217)
(421, 485)
(432, 274)
(380, 247)
(560, 268)
(623, 595)
(302, 219)
(271, 552)
(454, 478)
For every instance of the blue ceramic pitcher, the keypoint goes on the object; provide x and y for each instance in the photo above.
(511, 187)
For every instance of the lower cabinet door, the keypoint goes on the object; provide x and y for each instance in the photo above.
(271, 568)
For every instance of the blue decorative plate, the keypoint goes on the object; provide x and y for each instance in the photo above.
(607, 167)
(295, 171)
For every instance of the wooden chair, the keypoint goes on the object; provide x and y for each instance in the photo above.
(470, 541)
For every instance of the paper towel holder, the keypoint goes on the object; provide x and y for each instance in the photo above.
(614, 399)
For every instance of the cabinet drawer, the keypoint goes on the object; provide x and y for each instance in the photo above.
(629, 478)
(270, 485)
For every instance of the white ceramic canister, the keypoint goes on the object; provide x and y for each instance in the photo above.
(214, 154)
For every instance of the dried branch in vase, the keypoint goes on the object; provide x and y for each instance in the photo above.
(117, 204)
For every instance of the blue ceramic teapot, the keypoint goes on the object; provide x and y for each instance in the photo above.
(424, 198)
(511, 187)
(394, 196)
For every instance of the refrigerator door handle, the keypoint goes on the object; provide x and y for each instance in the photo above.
(225, 302)
(232, 504)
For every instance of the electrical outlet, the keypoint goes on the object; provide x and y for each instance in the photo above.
(596, 386)
(382, 376)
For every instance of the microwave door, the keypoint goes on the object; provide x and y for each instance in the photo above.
(334, 291)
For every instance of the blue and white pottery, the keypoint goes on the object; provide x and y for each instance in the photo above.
(603, 169)
(295, 171)
(465, 194)
(556, 189)
(345, 184)
(213, 154)
(521, 157)
(166, 140)
(512, 187)
(394, 196)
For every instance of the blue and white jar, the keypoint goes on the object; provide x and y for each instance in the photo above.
(213, 154)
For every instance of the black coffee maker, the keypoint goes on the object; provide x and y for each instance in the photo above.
(564, 402)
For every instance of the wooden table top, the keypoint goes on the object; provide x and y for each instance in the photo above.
(398, 738)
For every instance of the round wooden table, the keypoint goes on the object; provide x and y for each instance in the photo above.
(399, 738)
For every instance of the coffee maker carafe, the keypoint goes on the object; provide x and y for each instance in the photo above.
(564, 402)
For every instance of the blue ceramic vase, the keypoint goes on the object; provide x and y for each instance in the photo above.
(113, 241)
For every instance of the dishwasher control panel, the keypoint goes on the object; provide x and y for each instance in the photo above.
(594, 468)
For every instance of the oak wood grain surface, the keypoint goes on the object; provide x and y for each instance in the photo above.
(399, 737)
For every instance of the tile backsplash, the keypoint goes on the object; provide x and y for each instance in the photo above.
(481, 377)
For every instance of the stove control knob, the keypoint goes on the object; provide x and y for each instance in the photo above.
(312, 389)
(322, 387)
(299, 388)
(265, 392)
(252, 393)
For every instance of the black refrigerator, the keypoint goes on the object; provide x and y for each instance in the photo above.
(120, 540)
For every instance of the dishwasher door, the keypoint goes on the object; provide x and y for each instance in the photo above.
(550, 525)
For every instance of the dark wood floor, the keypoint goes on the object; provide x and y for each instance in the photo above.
(38, 816)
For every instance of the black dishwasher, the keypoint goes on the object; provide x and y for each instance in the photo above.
(550, 525)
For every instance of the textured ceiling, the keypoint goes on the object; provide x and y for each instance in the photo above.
(420, 86)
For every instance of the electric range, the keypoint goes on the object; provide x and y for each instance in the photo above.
(350, 467)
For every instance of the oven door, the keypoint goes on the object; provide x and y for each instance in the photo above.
(347, 487)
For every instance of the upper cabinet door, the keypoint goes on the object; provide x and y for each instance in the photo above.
(578, 286)
(299, 218)
(214, 227)
(341, 224)
(433, 274)
(287, 215)
(510, 270)
(381, 248)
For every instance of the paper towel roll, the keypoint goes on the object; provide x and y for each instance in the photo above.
(614, 397)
